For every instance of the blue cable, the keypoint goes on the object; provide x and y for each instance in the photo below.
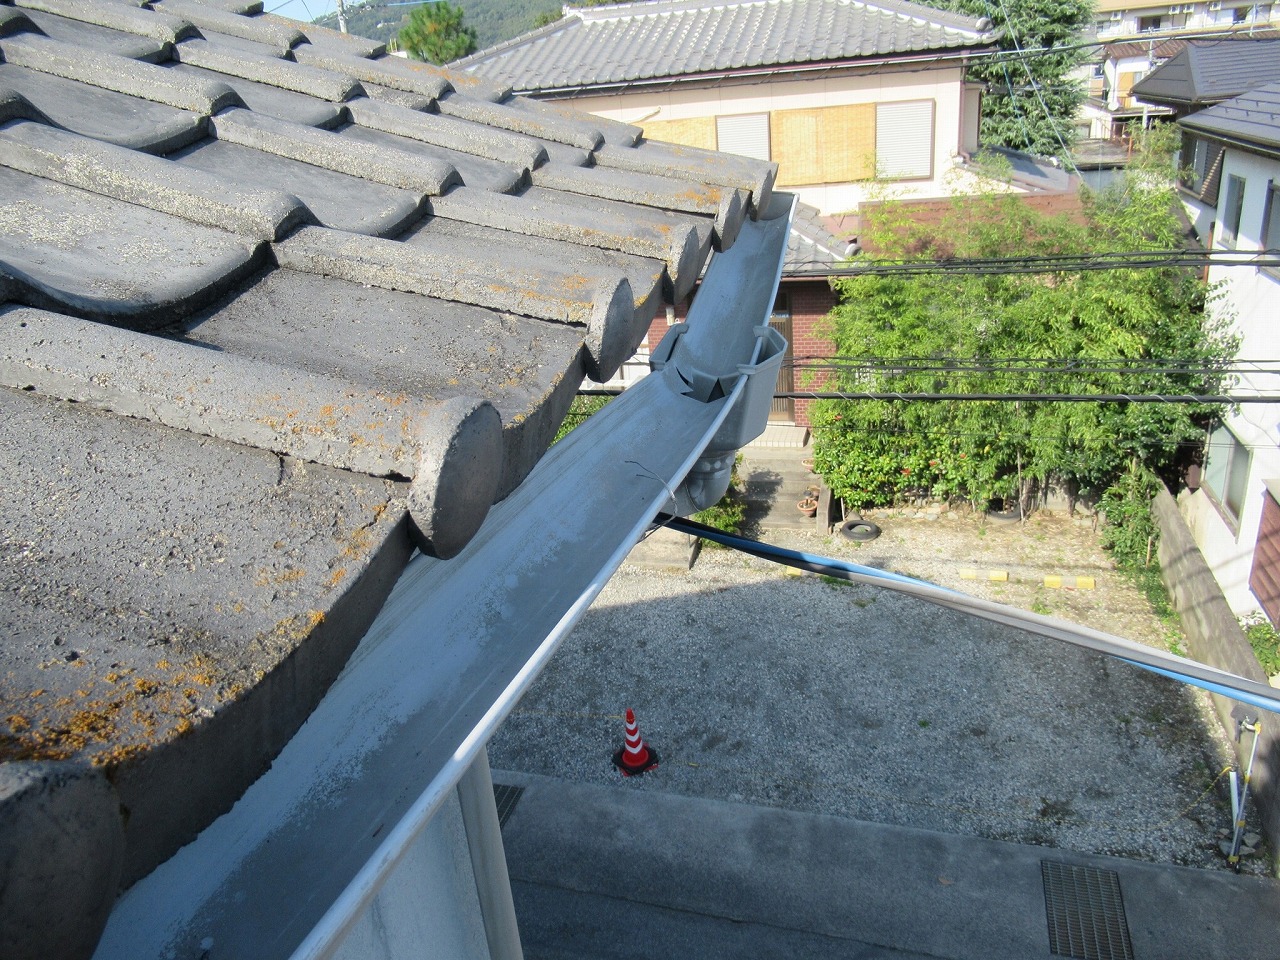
(820, 564)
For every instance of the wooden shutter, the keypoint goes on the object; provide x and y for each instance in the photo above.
(824, 145)
(692, 132)
(1264, 578)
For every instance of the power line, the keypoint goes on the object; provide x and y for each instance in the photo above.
(1046, 263)
(1122, 398)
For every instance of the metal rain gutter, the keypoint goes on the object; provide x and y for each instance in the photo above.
(292, 866)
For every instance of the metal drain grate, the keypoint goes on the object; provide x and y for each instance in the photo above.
(506, 799)
(1086, 912)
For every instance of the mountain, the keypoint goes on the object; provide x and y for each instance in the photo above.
(492, 20)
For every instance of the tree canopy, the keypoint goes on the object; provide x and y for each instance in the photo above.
(1031, 98)
(435, 33)
(1119, 331)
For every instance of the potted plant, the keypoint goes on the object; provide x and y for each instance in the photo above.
(808, 506)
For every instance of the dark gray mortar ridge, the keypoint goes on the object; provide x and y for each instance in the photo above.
(269, 33)
(728, 205)
(681, 242)
(575, 133)
(117, 16)
(102, 258)
(161, 185)
(526, 285)
(444, 447)
(692, 163)
(313, 82)
(614, 131)
(335, 199)
(331, 151)
(103, 114)
(461, 135)
(145, 81)
(427, 84)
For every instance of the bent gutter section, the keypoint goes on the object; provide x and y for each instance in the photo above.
(288, 870)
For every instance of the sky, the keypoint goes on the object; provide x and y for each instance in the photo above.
(304, 10)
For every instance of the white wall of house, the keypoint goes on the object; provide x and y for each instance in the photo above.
(1225, 521)
(954, 120)
(1126, 18)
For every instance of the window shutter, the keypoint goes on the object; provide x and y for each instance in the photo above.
(746, 134)
(904, 140)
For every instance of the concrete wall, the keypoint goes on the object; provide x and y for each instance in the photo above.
(1245, 298)
(1214, 637)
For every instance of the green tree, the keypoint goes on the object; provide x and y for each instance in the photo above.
(435, 33)
(1119, 331)
(1032, 98)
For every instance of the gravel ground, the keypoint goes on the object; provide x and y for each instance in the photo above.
(762, 687)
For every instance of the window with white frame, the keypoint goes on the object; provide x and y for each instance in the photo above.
(1271, 225)
(1232, 210)
(746, 134)
(904, 140)
(1226, 472)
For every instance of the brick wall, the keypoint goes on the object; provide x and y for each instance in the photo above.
(811, 301)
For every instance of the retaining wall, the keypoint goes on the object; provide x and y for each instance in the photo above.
(1214, 637)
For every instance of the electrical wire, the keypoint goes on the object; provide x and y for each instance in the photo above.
(1044, 263)
(1186, 671)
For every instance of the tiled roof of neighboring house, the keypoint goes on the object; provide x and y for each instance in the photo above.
(276, 307)
(812, 245)
(1160, 49)
(659, 40)
(1210, 71)
(1251, 119)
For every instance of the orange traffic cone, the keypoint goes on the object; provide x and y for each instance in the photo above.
(634, 758)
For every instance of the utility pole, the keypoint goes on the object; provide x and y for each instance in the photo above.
(342, 17)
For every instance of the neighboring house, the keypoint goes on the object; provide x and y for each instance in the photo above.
(1204, 73)
(847, 97)
(1134, 40)
(1117, 19)
(287, 328)
(1232, 192)
(852, 100)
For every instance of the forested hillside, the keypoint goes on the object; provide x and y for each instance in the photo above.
(492, 20)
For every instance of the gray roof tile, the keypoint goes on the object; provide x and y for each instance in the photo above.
(1210, 71)
(96, 256)
(334, 199)
(332, 151)
(271, 33)
(259, 214)
(1251, 118)
(270, 71)
(675, 39)
(98, 113)
(313, 304)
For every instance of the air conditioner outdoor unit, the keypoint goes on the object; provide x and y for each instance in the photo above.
(1215, 5)
(1117, 16)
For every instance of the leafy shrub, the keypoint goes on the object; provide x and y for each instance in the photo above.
(730, 512)
(1265, 641)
